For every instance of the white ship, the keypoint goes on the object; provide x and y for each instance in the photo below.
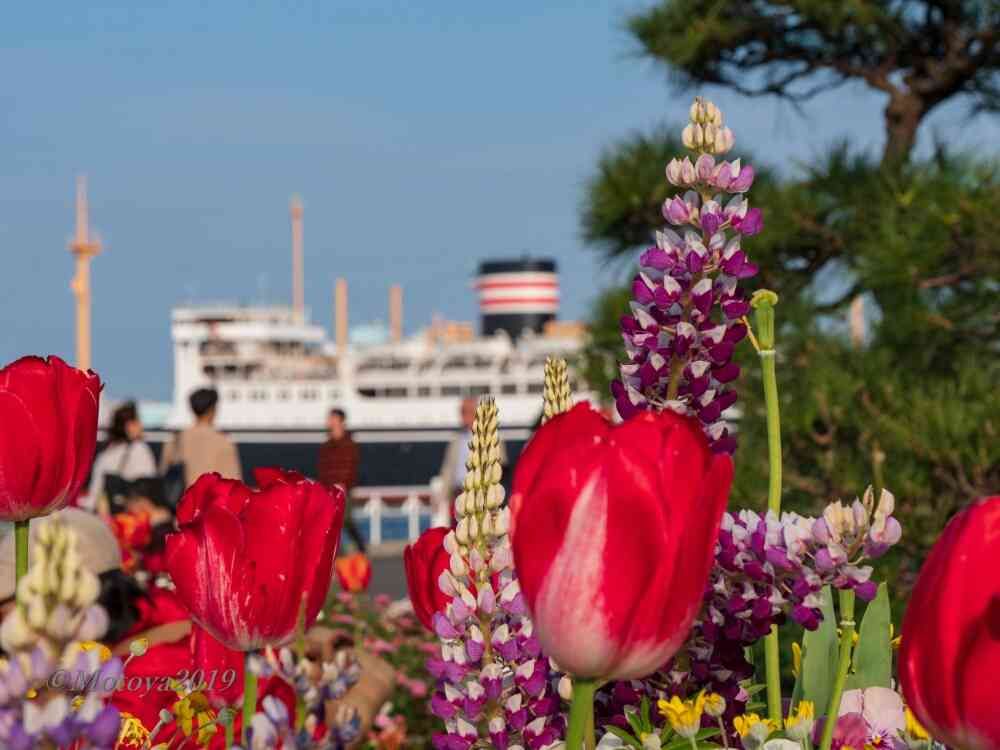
(278, 374)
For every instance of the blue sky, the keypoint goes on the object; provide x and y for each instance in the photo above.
(422, 137)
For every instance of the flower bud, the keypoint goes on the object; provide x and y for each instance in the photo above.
(565, 688)
(687, 136)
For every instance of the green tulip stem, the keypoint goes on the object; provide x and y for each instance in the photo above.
(249, 695)
(20, 551)
(846, 644)
(581, 713)
(763, 302)
(229, 727)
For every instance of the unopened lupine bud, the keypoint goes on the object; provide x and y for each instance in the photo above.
(565, 688)
(556, 392)
(688, 136)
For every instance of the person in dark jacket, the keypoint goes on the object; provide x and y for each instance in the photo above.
(339, 459)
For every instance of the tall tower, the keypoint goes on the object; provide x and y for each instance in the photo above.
(298, 274)
(84, 247)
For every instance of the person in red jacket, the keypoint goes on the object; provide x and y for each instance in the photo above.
(339, 459)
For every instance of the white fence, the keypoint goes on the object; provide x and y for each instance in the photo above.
(393, 514)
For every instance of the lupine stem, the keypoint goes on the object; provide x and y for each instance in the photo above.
(20, 550)
(581, 713)
(229, 733)
(846, 642)
(763, 303)
(249, 695)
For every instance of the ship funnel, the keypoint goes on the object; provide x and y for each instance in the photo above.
(298, 274)
(395, 313)
(340, 314)
(517, 295)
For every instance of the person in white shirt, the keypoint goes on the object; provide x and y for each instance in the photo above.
(126, 455)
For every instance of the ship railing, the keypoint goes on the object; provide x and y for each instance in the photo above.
(395, 514)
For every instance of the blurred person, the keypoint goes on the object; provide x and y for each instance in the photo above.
(201, 449)
(456, 454)
(125, 458)
(339, 459)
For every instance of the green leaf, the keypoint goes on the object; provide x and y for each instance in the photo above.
(820, 649)
(872, 665)
(624, 736)
(647, 725)
(632, 716)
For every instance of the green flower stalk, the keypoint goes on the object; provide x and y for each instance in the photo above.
(20, 550)
(249, 693)
(557, 394)
(763, 302)
(843, 664)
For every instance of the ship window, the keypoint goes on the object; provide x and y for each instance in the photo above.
(209, 370)
(424, 390)
(233, 395)
(508, 389)
(367, 392)
(479, 390)
(536, 388)
(333, 395)
(451, 390)
(309, 394)
(505, 365)
(283, 395)
(456, 363)
(395, 392)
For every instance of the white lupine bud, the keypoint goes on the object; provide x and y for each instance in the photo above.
(695, 112)
(713, 114)
(15, 633)
(708, 134)
(480, 501)
(37, 614)
(88, 589)
(450, 543)
(501, 522)
(699, 136)
(687, 136)
(473, 528)
(457, 566)
(487, 526)
(565, 688)
(462, 531)
(497, 472)
(725, 141)
(494, 496)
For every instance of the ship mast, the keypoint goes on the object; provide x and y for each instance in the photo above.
(83, 247)
(298, 280)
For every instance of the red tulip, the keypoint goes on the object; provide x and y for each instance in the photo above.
(614, 530)
(425, 560)
(950, 652)
(49, 415)
(354, 572)
(243, 561)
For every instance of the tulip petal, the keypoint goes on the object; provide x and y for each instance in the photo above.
(20, 458)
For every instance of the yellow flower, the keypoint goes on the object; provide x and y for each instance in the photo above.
(796, 660)
(800, 724)
(193, 710)
(753, 730)
(715, 705)
(102, 650)
(914, 728)
(684, 716)
(133, 733)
